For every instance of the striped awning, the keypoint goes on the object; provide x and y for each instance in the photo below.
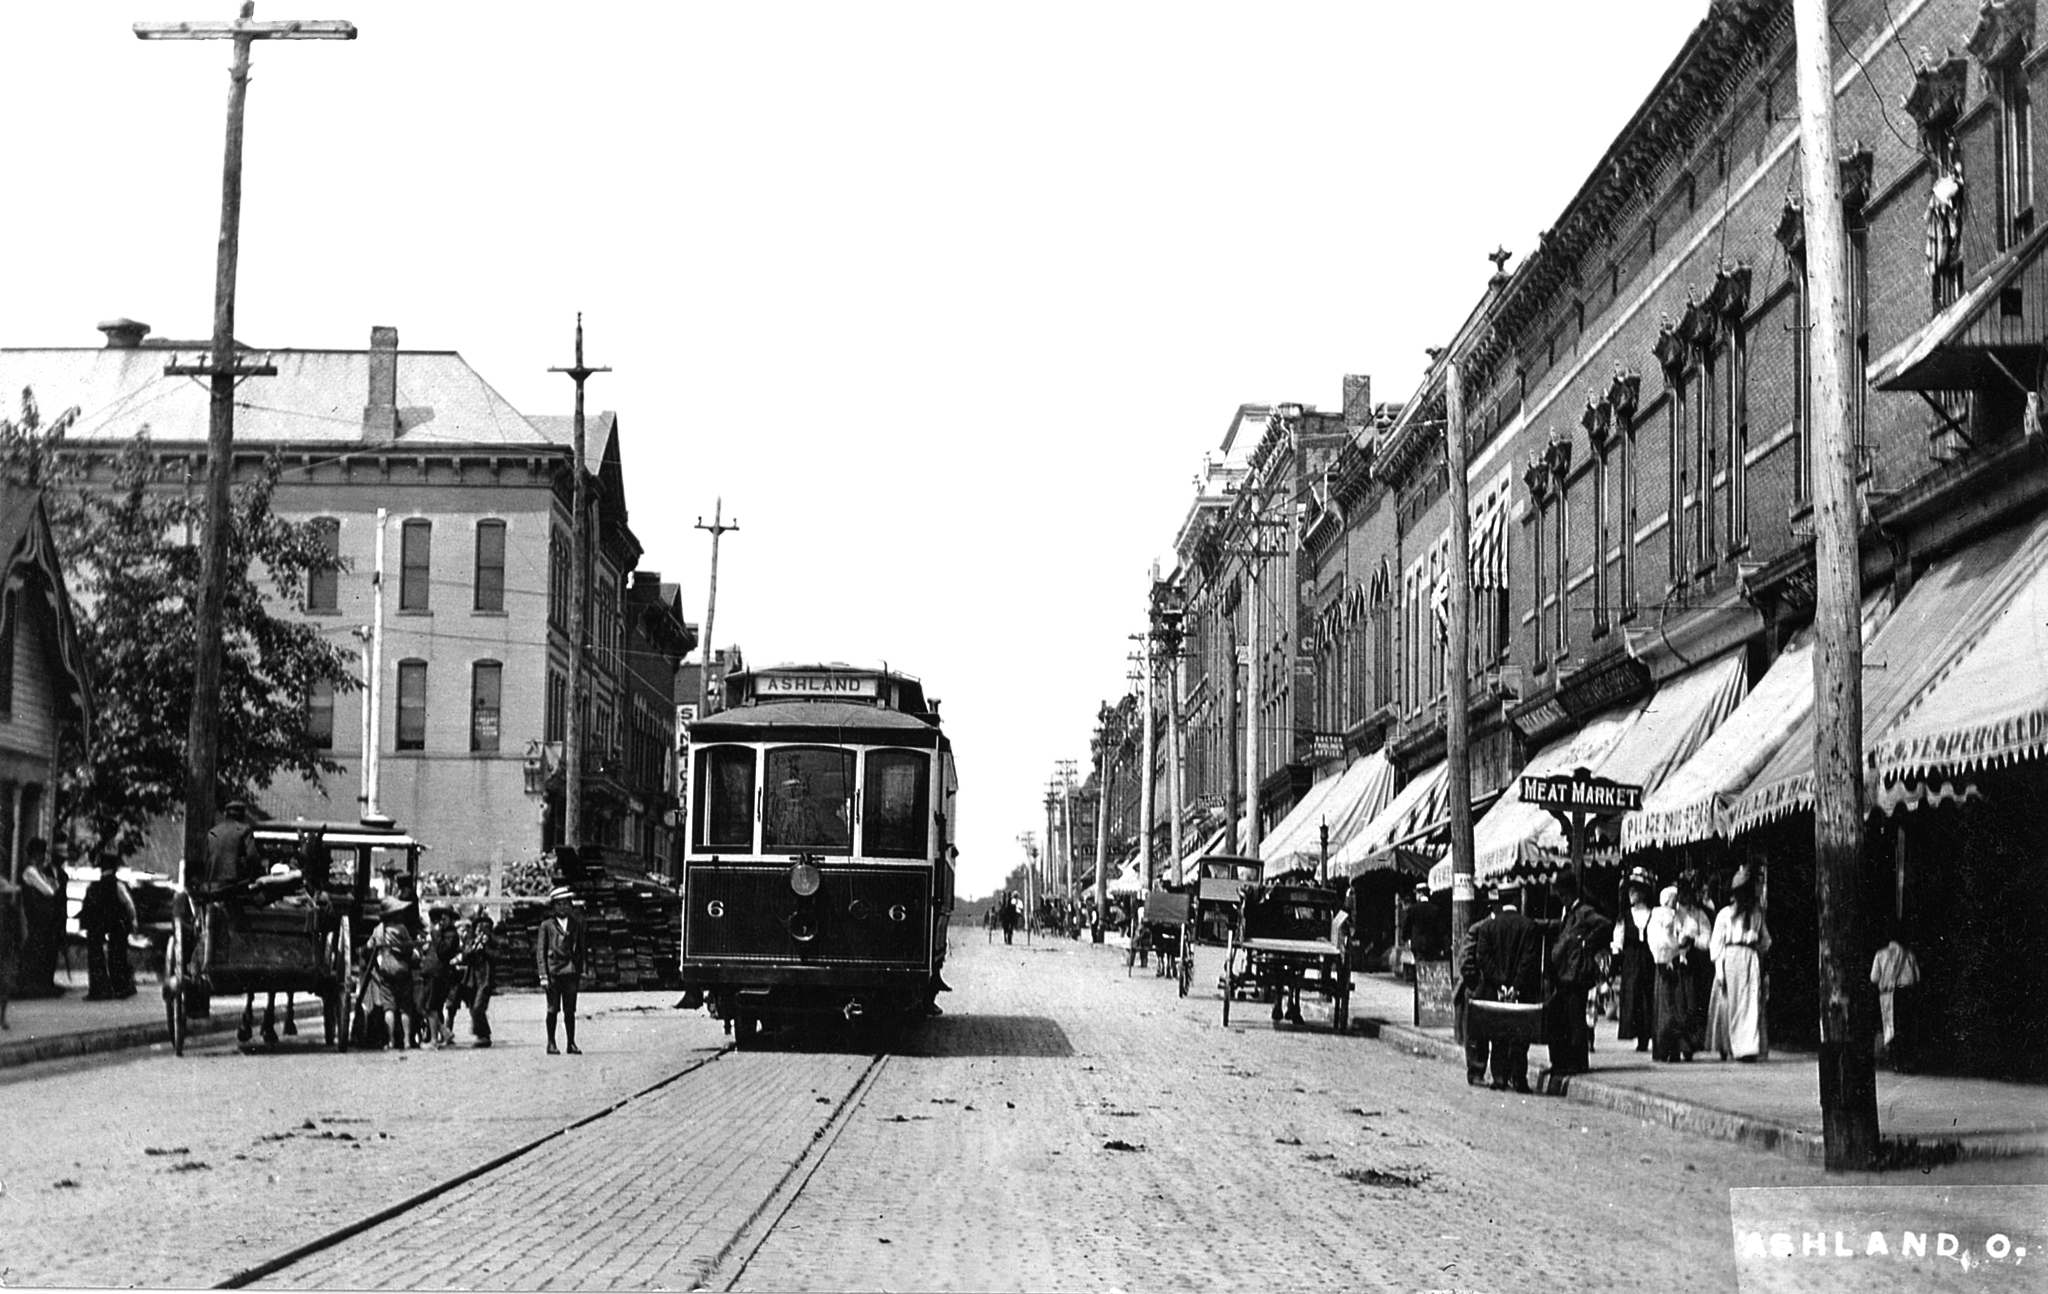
(1513, 832)
(1343, 803)
(1409, 814)
(1920, 723)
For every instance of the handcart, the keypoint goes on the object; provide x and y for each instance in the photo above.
(1170, 932)
(1290, 939)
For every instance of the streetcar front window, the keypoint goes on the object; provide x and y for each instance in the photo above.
(895, 804)
(725, 798)
(807, 803)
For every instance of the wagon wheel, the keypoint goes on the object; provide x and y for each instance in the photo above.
(1340, 1007)
(174, 986)
(1187, 962)
(335, 1002)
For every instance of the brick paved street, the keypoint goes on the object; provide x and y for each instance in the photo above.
(986, 1153)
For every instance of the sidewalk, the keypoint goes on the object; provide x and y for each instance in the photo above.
(1773, 1104)
(55, 1028)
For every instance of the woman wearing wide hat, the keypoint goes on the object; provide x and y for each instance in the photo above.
(1631, 948)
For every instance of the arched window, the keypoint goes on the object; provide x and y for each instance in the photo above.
(415, 562)
(486, 687)
(490, 566)
(412, 705)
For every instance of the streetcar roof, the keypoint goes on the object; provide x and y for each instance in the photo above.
(826, 721)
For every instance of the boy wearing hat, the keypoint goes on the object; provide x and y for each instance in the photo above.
(387, 985)
(479, 975)
(107, 915)
(558, 954)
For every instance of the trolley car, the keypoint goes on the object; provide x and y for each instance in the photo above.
(818, 878)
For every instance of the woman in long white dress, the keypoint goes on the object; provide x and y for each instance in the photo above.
(1738, 944)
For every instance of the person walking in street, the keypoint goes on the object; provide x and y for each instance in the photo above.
(107, 916)
(1739, 942)
(388, 981)
(1009, 918)
(1669, 939)
(480, 975)
(1631, 950)
(1576, 938)
(558, 954)
(1503, 963)
(439, 974)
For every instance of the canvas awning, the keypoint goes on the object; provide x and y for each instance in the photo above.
(1515, 833)
(1954, 608)
(1345, 803)
(1412, 812)
(1970, 343)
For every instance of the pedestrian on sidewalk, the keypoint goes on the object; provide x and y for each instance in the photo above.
(1739, 942)
(388, 981)
(1503, 963)
(1696, 926)
(42, 918)
(13, 933)
(1668, 939)
(1896, 973)
(1631, 950)
(107, 916)
(558, 954)
(480, 975)
(1576, 938)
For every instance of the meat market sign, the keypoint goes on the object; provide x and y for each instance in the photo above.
(1581, 792)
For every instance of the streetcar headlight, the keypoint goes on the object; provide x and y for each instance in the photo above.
(804, 879)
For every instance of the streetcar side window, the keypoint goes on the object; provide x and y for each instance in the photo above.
(896, 804)
(725, 798)
(807, 802)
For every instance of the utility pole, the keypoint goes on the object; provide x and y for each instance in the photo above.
(1103, 716)
(1457, 747)
(1066, 767)
(222, 370)
(1052, 830)
(1030, 879)
(717, 528)
(1255, 554)
(1167, 637)
(579, 612)
(1147, 795)
(1848, 1071)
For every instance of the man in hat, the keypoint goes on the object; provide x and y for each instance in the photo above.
(230, 852)
(1576, 938)
(1429, 927)
(558, 955)
(479, 975)
(107, 915)
(1503, 963)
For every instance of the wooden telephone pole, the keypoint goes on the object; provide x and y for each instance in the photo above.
(579, 612)
(717, 528)
(222, 371)
(1848, 1070)
(1457, 745)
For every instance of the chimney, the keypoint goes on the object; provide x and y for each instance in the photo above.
(124, 333)
(1357, 400)
(380, 415)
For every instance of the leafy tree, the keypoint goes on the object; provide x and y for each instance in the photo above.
(128, 542)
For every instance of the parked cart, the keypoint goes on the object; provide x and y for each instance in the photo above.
(1290, 939)
(1169, 932)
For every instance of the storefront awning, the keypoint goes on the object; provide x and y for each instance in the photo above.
(1992, 333)
(1953, 608)
(1515, 833)
(1418, 805)
(1346, 803)
(1989, 709)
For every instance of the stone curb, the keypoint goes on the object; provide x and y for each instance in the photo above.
(1725, 1125)
(121, 1037)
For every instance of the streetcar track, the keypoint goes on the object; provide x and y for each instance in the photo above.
(291, 1257)
(752, 1236)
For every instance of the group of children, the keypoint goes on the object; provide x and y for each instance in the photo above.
(415, 981)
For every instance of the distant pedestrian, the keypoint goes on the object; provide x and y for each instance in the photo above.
(480, 975)
(1576, 938)
(558, 954)
(1429, 927)
(1009, 918)
(388, 979)
(42, 917)
(1503, 963)
(1896, 973)
(1631, 949)
(107, 918)
(1695, 929)
(13, 932)
(1739, 942)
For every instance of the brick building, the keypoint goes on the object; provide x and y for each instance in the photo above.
(1638, 426)
(413, 454)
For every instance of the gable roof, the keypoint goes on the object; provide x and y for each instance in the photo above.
(317, 396)
(28, 549)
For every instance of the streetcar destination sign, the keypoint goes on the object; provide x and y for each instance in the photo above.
(821, 685)
(1581, 792)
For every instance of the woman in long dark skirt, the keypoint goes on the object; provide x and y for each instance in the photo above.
(1695, 929)
(1667, 951)
(1638, 969)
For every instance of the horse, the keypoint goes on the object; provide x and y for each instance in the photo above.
(248, 1026)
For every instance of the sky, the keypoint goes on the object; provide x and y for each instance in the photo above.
(945, 302)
